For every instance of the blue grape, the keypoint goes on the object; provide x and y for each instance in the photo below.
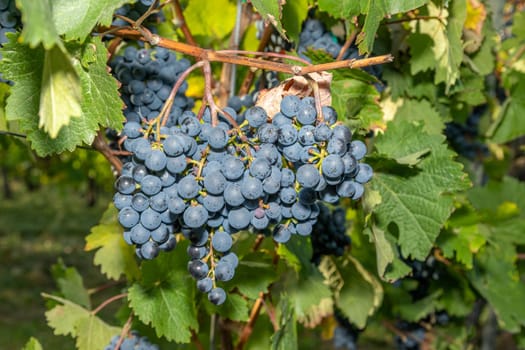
(308, 176)
(221, 241)
(140, 202)
(149, 250)
(224, 271)
(281, 233)
(239, 218)
(195, 216)
(198, 269)
(290, 105)
(150, 219)
(205, 284)
(125, 185)
(128, 217)
(217, 296)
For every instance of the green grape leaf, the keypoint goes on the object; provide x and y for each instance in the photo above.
(294, 14)
(312, 300)
(497, 280)
(217, 27)
(165, 297)
(60, 92)
(414, 311)
(115, 257)
(490, 197)
(423, 111)
(32, 344)
(375, 11)
(76, 19)
(340, 9)
(462, 244)
(509, 125)
(356, 102)
(254, 264)
(100, 104)
(271, 11)
(235, 308)
(357, 292)
(286, 336)
(436, 43)
(36, 27)
(69, 318)
(70, 284)
(472, 89)
(414, 209)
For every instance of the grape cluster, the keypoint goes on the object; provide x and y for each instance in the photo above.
(135, 11)
(329, 233)
(315, 36)
(133, 342)
(147, 77)
(345, 334)
(209, 178)
(464, 137)
(9, 23)
(414, 336)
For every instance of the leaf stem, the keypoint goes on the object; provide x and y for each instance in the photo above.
(109, 301)
(124, 332)
(248, 328)
(182, 22)
(100, 145)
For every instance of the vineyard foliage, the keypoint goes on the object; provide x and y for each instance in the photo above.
(433, 251)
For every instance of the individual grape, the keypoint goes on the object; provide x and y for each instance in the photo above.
(188, 187)
(125, 185)
(150, 219)
(233, 194)
(176, 165)
(301, 211)
(306, 114)
(359, 190)
(364, 174)
(269, 152)
(346, 189)
(195, 216)
(256, 116)
(128, 217)
(198, 269)
(159, 202)
(308, 176)
(287, 134)
(288, 195)
(329, 115)
(224, 271)
(139, 234)
(213, 203)
(205, 284)
(132, 129)
(150, 185)
(290, 105)
(260, 168)
(239, 218)
(232, 168)
(293, 152)
(231, 258)
(160, 234)
(173, 145)
(358, 149)
(322, 132)
(336, 146)
(281, 233)
(342, 132)
(217, 296)
(122, 200)
(332, 166)
(217, 138)
(140, 202)
(271, 185)
(306, 135)
(251, 188)
(287, 177)
(214, 183)
(268, 133)
(303, 228)
(149, 250)
(221, 241)
(198, 237)
(260, 223)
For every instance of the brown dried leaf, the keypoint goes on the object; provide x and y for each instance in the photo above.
(270, 99)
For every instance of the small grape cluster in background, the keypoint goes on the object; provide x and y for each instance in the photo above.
(329, 233)
(10, 22)
(464, 138)
(133, 342)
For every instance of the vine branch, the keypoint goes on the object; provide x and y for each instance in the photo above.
(219, 56)
(182, 23)
(248, 328)
(109, 301)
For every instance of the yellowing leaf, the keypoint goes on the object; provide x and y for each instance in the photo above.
(60, 94)
(476, 15)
